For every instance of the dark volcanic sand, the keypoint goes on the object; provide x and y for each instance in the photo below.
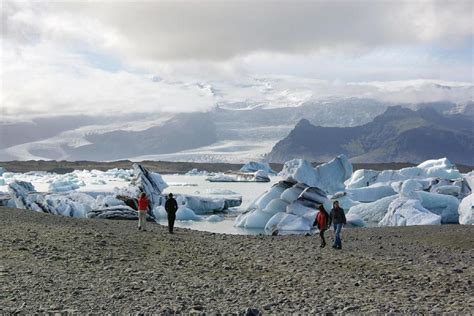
(53, 263)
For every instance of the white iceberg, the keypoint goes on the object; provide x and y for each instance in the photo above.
(253, 219)
(445, 206)
(371, 193)
(214, 218)
(466, 210)
(258, 176)
(63, 186)
(354, 220)
(186, 214)
(329, 176)
(196, 172)
(408, 212)
(372, 212)
(440, 168)
(287, 222)
(254, 166)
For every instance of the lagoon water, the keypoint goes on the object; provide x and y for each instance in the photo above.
(199, 186)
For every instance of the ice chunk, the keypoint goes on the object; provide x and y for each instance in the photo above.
(63, 186)
(253, 219)
(203, 205)
(215, 218)
(259, 176)
(149, 182)
(314, 196)
(469, 178)
(466, 210)
(196, 172)
(186, 214)
(253, 166)
(408, 212)
(453, 190)
(362, 178)
(409, 188)
(103, 201)
(354, 220)
(219, 192)
(291, 194)
(2, 181)
(440, 168)
(2, 171)
(329, 176)
(372, 212)
(444, 205)
(121, 212)
(275, 206)
(371, 193)
(275, 192)
(287, 222)
(159, 212)
(345, 201)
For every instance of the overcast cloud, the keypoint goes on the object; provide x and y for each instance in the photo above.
(99, 56)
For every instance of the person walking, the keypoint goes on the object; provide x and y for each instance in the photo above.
(338, 218)
(321, 222)
(142, 210)
(171, 206)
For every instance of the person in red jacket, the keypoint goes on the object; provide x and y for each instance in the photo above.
(321, 222)
(142, 210)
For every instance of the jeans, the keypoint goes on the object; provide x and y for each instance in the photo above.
(337, 240)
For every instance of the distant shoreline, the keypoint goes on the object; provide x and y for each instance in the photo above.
(170, 167)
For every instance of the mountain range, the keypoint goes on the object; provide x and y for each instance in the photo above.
(398, 135)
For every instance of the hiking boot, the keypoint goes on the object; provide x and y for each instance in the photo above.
(322, 245)
(139, 228)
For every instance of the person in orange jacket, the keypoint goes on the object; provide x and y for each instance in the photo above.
(321, 222)
(143, 204)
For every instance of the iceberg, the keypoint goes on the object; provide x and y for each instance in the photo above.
(196, 172)
(354, 220)
(253, 219)
(254, 166)
(149, 182)
(371, 193)
(445, 206)
(372, 212)
(2, 171)
(63, 186)
(440, 168)
(408, 212)
(287, 222)
(214, 218)
(329, 176)
(186, 214)
(258, 176)
(466, 209)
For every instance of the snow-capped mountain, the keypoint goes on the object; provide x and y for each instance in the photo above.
(249, 117)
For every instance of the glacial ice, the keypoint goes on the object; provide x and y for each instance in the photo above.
(445, 206)
(371, 193)
(408, 212)
(196, 172)
(254, 166)
(372, 212)
(329, 176)
(258, 176)
(215, 218)
(354, 220)
(287, 222)
(466, 210)
(63, 186)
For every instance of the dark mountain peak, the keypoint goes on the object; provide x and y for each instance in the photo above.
(398, 135)
(303, 123)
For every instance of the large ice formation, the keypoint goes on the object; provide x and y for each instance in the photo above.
(254, 166)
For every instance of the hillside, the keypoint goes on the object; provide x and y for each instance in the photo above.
(397, 135)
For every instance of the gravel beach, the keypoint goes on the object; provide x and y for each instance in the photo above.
(59, 264)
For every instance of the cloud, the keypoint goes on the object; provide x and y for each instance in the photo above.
(101, 56)
(219, 30)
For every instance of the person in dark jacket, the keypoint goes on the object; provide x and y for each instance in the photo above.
(321, 222)
(338, 218)
(171, 206)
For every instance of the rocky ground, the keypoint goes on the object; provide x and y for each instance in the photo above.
(57, 264)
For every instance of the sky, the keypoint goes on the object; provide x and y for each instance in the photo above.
(98, 57)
